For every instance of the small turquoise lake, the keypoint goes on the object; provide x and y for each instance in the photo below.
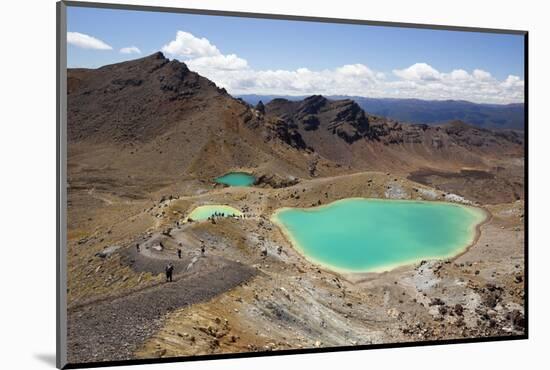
(202, 213)
(374, 235)
(236, 179)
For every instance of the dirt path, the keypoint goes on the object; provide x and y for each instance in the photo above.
(93, 194)
(113, 330)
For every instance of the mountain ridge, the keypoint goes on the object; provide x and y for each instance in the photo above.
(161, 118)
(433, 112)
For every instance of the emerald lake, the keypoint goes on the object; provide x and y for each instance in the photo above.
(374, 235)
(236, 179)
(203, 212)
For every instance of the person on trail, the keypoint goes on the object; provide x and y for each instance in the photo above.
(203, 250)
(169, 271)
(137, 248)
(179, 253)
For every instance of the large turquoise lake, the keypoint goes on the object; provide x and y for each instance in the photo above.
(373, 235)
(236, 179)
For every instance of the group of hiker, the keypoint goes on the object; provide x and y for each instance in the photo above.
(222, 214)
(169, 269)
(219, 215)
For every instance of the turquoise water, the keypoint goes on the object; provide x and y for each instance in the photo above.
(369, 235)
(236, 179)
(203, 212)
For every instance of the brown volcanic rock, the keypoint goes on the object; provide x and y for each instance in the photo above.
(470, 136)
(340, 117)
(144, 98)
(342, 132)
(152, 117)
(133, 100)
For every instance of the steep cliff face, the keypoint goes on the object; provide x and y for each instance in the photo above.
(343, 132)
(343, 118)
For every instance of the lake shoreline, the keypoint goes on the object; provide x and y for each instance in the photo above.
(359, 276)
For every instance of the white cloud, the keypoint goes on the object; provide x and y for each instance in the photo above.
(355, 79)
(419, 80)
(200, 55)
(130, 50)
(218, 62)
(460, 75)
(361, 81)
(86, 41)
(418, 72)
(187, 45)
(482, 75)
(478, 86)
(356, 70)
(512, 82)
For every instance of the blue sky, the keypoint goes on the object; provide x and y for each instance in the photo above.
(399, 62)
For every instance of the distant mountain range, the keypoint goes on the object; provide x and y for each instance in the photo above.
(432, 112)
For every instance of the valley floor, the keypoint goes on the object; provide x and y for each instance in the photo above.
(251, 291)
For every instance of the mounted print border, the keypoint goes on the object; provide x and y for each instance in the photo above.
(189, 178)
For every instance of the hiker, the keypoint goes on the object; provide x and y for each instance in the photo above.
(179, 253)
(169, 271)
(203, 250)
(279, 249)
(137, 248)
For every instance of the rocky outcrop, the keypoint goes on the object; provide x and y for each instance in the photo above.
(351, 122)
(467, 135)
(275, 181)
(346, 120)
(310, 122)
(286, 133)
(107, 251)
(342, 118)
